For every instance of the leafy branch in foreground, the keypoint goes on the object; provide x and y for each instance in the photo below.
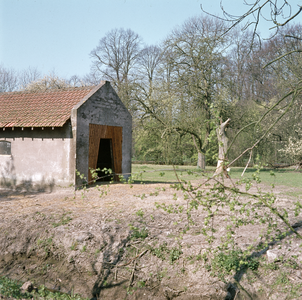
(228, 206)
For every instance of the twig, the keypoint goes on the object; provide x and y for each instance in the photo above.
(247, 163)
(247, 293)
(155, 287)
(132, 274)
(237, 292)
(131, 260)
(278, 58)
(120, 276)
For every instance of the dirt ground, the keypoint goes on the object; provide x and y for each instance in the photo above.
(113, 243)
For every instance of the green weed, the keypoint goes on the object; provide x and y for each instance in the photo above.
(65, 219)
(138, 233)
(140, 213)
(224, 263)
(45, 244)
(74, 246)
(163, 252)
(11, 288)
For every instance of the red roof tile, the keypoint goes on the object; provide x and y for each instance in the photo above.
(39, 109)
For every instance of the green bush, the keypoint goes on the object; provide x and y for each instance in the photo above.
(225, 263)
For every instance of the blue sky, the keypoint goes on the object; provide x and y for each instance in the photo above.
(58, 35)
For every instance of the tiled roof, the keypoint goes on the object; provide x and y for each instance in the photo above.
(39, 109)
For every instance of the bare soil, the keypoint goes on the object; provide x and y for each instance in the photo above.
(92, 243)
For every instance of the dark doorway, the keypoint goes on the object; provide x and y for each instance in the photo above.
(105, 159)
(99, 133)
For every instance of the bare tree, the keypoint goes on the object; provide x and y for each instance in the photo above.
(148, 65)
(149, 59)
(8, 80)
(27, 76)
(91, 79)
(49, 82)
(77, 81)
(115, 59)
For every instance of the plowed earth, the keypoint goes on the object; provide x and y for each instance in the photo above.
(95, 246)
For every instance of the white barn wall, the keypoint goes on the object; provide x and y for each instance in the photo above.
(38, 157)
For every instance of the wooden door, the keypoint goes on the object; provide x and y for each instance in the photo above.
(98, 132)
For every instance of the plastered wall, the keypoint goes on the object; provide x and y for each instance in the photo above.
(38, 157)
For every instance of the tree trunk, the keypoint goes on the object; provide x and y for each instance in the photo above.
(201, 162)
(223, 146)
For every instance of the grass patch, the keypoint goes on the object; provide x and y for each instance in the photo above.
(287, 177)
(165, 174)
(65, 219)
(11, 288)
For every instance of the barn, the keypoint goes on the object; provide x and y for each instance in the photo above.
(48, 137)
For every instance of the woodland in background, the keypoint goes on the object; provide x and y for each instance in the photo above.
(179, 91)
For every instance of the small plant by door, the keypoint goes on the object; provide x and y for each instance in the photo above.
(105, 159)
(105, 149)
